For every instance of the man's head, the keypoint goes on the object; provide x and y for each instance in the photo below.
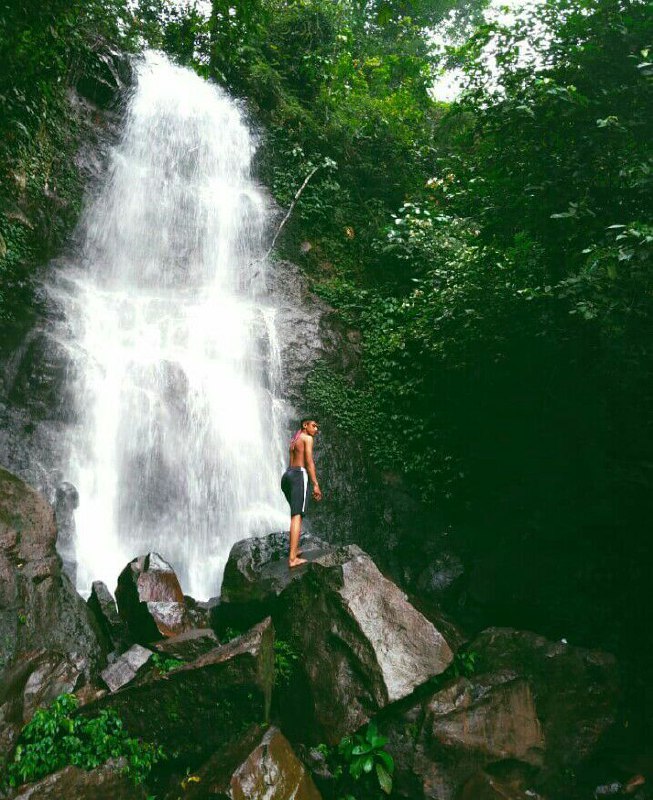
(309, 426)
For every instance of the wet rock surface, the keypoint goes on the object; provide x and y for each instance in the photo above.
(107, 782)
(103, 607)
(39, 607)
(200, 706)
(188, 645)
(255, 575)
(363, 644)
(33, 681)
(576, 690)
(126, 667)
(261, 766)
(150, 599)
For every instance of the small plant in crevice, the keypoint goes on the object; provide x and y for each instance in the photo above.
(55, 738)
(361, 766)
(286, 659)
(464, 663)
(165, 665)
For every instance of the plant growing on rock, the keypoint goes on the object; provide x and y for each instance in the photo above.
(360, 765)
(55, 738)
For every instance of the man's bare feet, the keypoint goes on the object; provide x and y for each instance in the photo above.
(296, 562)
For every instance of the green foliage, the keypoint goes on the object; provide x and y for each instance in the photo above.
(286, 659)
(56, 737)
(165, 665)
(361, 765)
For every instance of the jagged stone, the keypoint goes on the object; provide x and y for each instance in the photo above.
(150, 599)
(39, 607)
(537, 705)
(199, 612)
(261, 766)
(126, 667)
(199, 706)
(257, 568)
(469, 725)
(107, 782)
(103, 607)
(188, 645)
(362, 644)
(489, 787)
(33, 682)
(576, 690)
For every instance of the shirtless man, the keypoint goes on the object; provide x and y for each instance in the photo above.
(294, 483)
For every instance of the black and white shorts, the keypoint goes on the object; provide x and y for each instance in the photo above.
(294, 484)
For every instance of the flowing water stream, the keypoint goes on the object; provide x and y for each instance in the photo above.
(175, 360)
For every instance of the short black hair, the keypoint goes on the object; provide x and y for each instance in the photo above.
(306, 419)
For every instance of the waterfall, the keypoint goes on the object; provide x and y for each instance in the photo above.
(175, 362)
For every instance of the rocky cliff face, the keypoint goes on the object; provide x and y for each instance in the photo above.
(34, 405)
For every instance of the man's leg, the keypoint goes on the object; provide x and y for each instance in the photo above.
(295, 533)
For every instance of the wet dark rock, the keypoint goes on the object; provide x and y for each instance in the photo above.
(39, 607)
(199, 613)
(188, 645)
(126, 667)
(39, 378)
(363, 644)
(103, 607)
(65, 502)
(261, 766)
(575, 690)
(440, 575)
(531, 713)
(255, 575)
(198, 707)
(150, 599)
(110, 75)
(34, 682)
(468, 725)
(107, 782)
(484, 786)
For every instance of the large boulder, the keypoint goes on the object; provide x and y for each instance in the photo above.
(188, 645)
(34, 682)
(256, 573)
(197, 707)
(39, 607)
(261, 766)
(126, 667)
(103, 607)
(576, 690)
(530, 714)
(467, 726)
(362, 644)
(107, 782)
(150, 599)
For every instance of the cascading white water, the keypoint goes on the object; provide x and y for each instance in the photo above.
(179, 442)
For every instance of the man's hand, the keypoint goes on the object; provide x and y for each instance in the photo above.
(317, 493)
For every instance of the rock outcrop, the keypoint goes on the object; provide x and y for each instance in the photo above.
(34, 681)
(362, 644)
(126, 667)
(576, 690)
(150, 599)
(198, 707)
(530, 714)
(39, 607)
(103, 607)
(188, 645)
(107, 782)
(261, 766)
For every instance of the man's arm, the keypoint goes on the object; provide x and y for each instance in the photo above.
(310, 467)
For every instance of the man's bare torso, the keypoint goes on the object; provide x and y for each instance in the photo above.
(298, 451)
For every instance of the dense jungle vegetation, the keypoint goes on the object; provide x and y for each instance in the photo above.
(494, 252)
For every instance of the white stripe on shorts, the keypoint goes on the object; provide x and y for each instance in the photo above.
(305, 477)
